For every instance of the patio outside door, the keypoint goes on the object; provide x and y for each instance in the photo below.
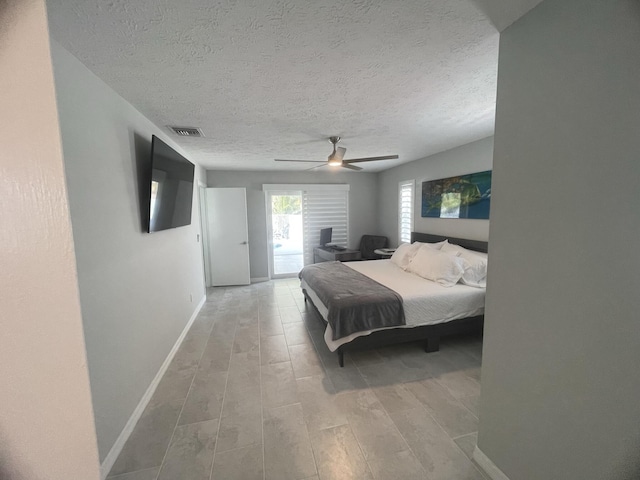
(285, 233)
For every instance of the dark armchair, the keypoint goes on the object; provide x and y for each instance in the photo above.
(369, 243)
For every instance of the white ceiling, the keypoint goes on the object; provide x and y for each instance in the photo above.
(269, 79)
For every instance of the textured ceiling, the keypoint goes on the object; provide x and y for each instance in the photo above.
(269, 79)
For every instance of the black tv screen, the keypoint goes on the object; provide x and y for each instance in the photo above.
(171, 188)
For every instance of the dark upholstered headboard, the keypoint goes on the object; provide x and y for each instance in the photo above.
(476, 245)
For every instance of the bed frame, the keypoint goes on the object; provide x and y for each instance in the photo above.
(430, 334)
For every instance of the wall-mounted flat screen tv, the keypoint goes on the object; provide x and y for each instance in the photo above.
(171, 188)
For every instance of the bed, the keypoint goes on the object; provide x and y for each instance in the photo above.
(428, 311)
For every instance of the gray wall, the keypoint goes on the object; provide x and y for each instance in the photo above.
(362, 205)
(560, 382)
(134, 286)
(46, 420)
(470, 158)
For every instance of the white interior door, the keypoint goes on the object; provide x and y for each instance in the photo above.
(228, 236)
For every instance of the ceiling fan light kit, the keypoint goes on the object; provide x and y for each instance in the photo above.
(336, 159)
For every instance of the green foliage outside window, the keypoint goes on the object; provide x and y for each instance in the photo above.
(286, 205)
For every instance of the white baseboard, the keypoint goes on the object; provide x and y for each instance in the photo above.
(259, 279)
(488, 466)
(117, 447)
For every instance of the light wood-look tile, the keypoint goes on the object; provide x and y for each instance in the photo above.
(254, 393)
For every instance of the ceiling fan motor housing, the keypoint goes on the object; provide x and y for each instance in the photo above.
(335, 159)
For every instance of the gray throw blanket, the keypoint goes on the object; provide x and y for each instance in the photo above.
(355, 301)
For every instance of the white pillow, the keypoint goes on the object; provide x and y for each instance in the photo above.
(475, 265)
(435, 265)
(451, 247)
(403, 254)
(436, 245)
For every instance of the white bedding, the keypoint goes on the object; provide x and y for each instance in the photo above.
(425, 302)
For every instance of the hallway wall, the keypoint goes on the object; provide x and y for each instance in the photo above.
(560, 383)
(137, 290)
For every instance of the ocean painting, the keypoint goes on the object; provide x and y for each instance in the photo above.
(466, 196)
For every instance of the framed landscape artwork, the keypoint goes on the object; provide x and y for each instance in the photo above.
(465, 196)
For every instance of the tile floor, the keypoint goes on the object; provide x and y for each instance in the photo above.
(253, 393)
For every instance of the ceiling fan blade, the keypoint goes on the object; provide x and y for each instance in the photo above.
(317, 166)
(351, 167)
(371, 159)
(340, 151)
(306, 161)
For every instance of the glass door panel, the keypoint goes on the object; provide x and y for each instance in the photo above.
(286, 231)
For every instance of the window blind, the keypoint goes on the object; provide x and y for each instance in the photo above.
(324, 208)
(405, 211)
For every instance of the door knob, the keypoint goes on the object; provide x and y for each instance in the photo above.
(244, 243)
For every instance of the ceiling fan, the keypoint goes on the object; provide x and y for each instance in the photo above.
(336, 159)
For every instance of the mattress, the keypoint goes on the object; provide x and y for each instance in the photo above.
(425, 302)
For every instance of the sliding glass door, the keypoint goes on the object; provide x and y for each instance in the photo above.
(295, 215)
(286, 243)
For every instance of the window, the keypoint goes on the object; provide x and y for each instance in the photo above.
(322, 208)
(405, 211)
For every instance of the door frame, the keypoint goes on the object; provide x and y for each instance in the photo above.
(204, 231)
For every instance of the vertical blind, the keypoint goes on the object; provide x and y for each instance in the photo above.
(323, 208)
(405, 211)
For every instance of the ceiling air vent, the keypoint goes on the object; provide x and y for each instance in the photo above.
(187, 131)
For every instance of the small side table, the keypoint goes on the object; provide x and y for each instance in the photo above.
(384, 252)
